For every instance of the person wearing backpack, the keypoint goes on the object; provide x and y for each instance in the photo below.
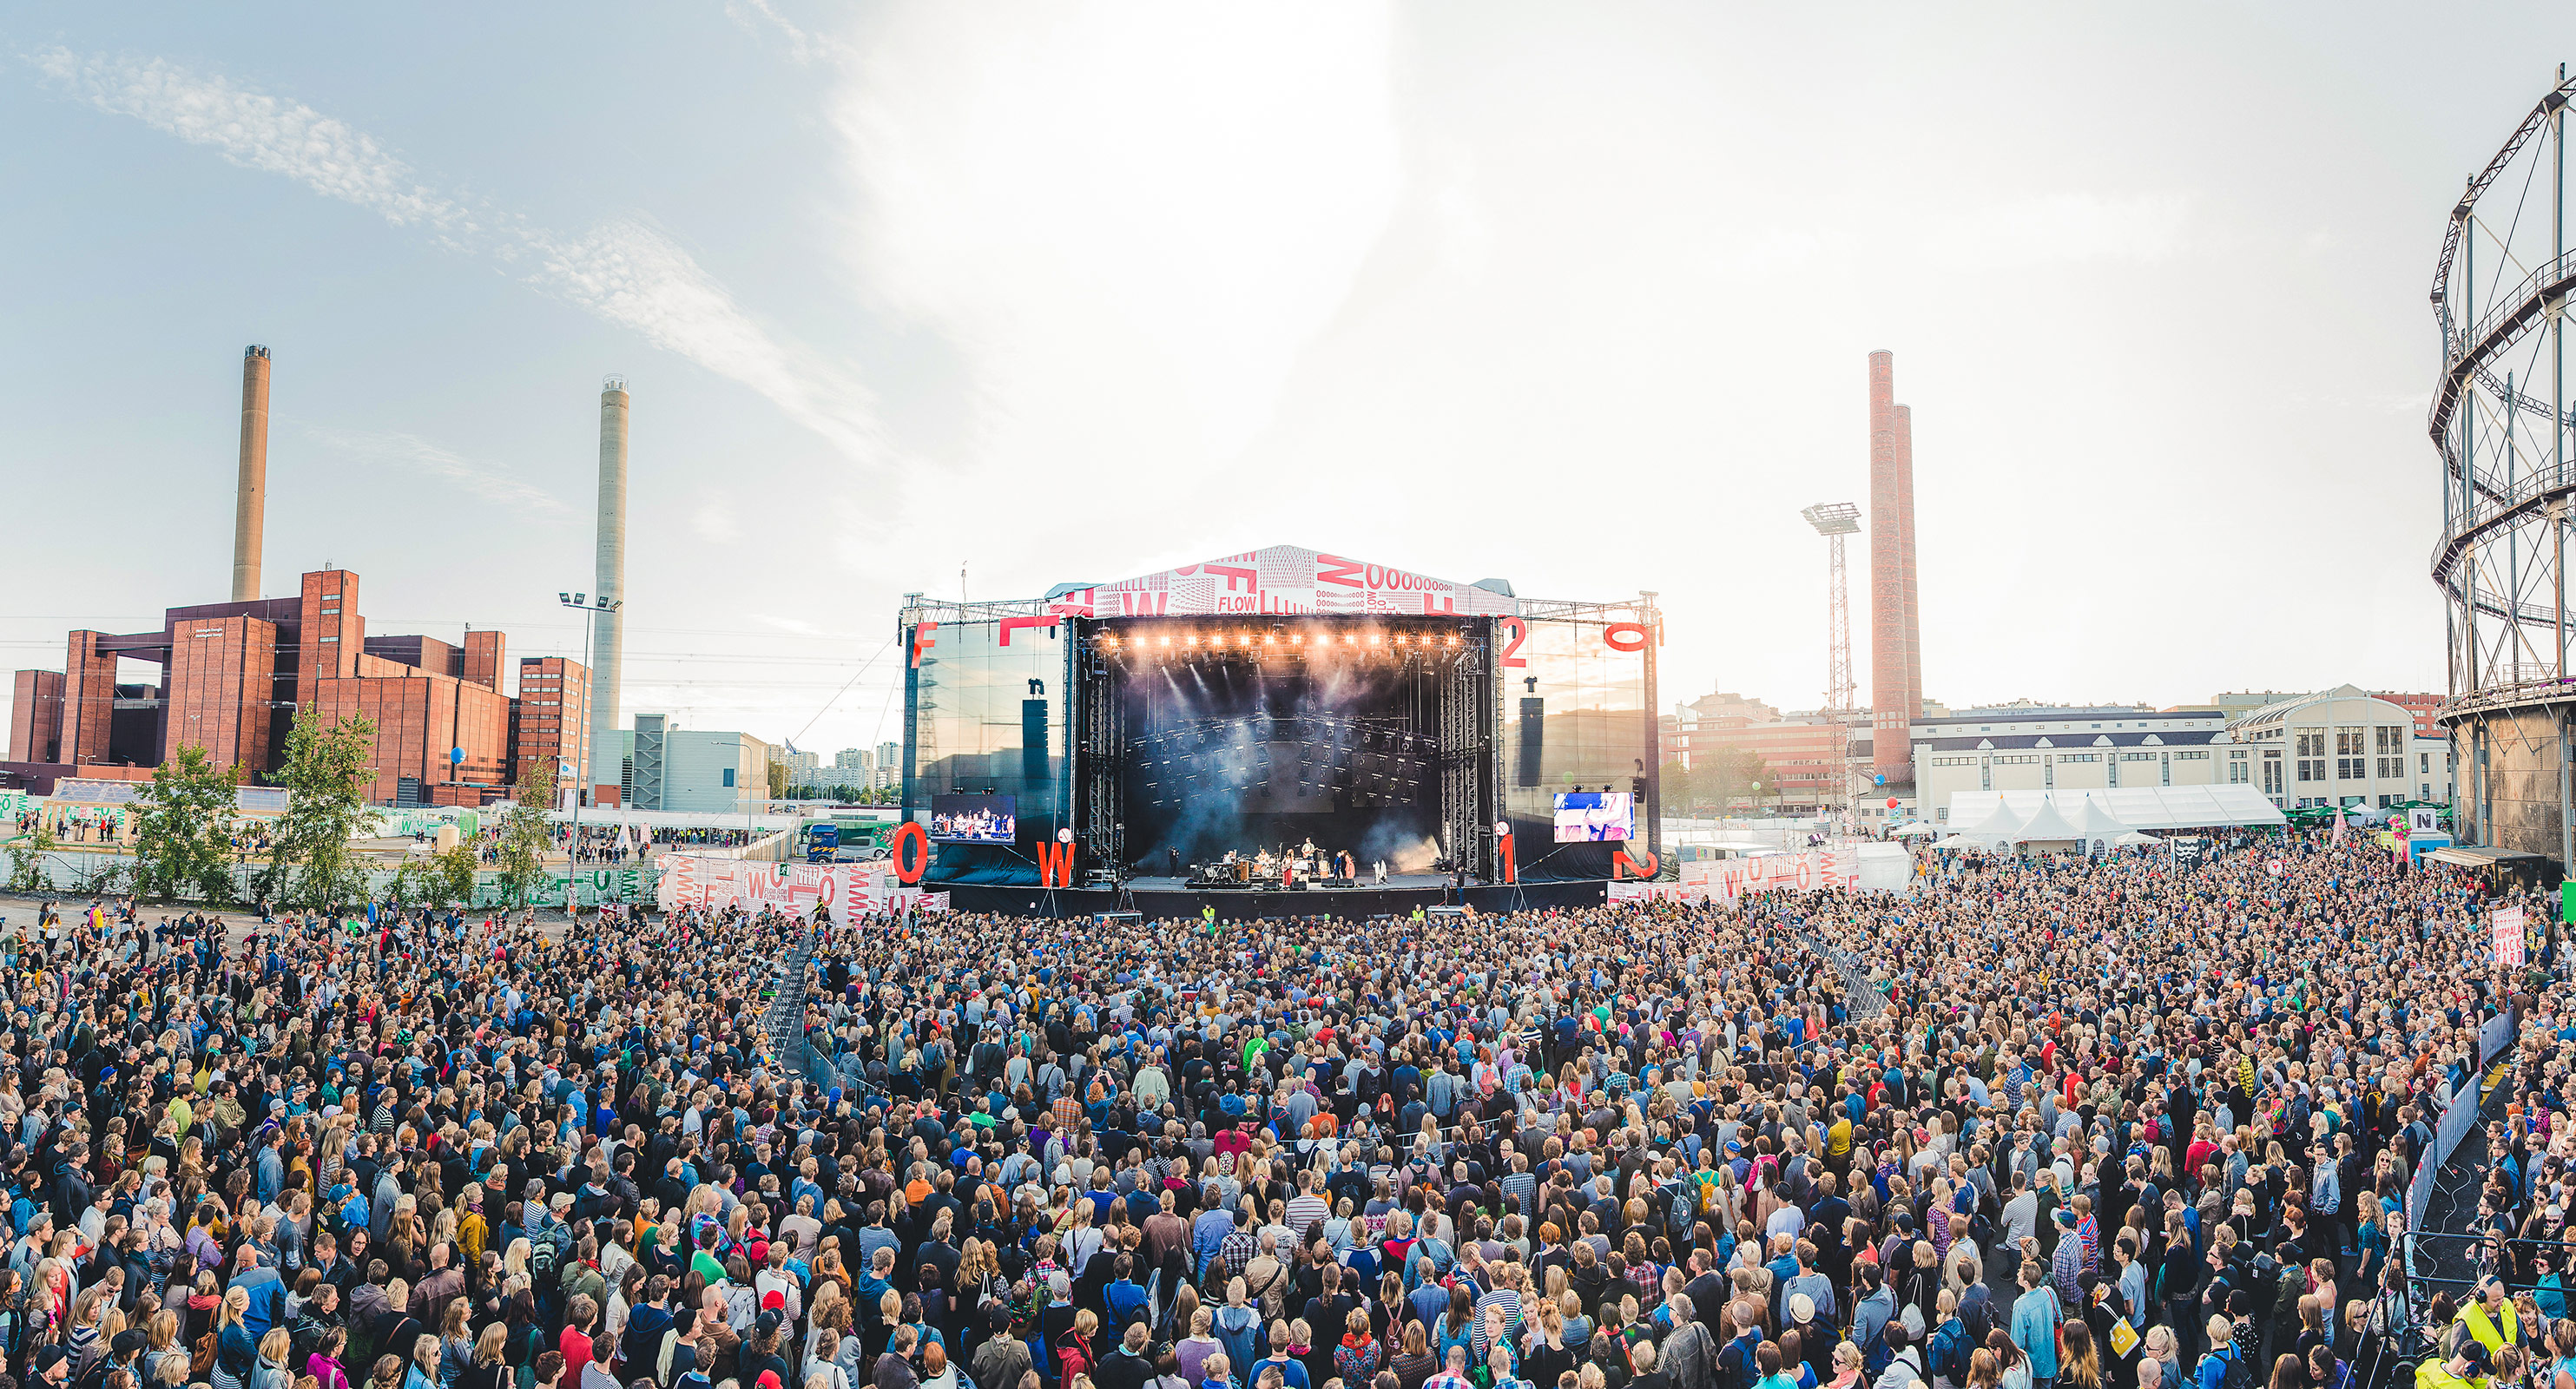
(1904, 1361)
(2223, 1366)
(1950, 1346)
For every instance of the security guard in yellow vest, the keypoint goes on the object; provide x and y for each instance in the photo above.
(2490, 1318)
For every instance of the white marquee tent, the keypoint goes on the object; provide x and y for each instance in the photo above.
(2138, 807)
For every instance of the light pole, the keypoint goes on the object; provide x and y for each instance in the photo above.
(590, 608)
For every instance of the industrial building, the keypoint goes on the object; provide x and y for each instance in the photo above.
(235, 675)
(551, 719)
(690, 770)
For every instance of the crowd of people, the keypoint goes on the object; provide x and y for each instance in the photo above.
(2070, 1123)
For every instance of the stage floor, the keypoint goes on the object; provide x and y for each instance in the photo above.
(1171, 903)
(1393, 880)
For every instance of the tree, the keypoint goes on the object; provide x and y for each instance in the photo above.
(1733, 774)
(183, 836)
(404, 886)
(781, 778)
(526, 833)
(451, 876)
(325, 774)
(27, 858)
(1681, 789)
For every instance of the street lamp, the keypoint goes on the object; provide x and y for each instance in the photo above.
(590, 608)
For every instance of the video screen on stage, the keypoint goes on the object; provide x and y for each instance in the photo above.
(1584, 816)
(959, 819)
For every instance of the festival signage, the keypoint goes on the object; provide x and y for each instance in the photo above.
(850, 889)
(1809, 871)
(2505, 924)
(1279, 579)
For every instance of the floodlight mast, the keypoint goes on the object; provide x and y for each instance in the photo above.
(1833, 521)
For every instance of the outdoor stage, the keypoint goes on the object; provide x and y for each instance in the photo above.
(1078, 753)
(1165, 900)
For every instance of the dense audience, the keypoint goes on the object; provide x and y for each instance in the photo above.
(2115, 1123)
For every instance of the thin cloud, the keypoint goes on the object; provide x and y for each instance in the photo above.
(255, 131)
(801, 45)
(399, 450)
(622, 271)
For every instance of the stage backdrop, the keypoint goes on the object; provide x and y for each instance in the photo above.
(851, 890)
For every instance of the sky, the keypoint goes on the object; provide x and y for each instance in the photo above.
(1576, 296)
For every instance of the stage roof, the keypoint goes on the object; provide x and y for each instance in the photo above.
(1287, 579)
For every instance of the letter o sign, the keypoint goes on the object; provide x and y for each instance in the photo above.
(1626, 636)
(911, 846)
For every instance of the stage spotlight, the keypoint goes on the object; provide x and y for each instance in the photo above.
(1297, 639)
(1269, 639)
(1243, 639)
(1191, 640)
(1373, 638)
(1348, 639)
(1453, 639)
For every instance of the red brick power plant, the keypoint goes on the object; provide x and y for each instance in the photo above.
(1895, 629)
(235, 675)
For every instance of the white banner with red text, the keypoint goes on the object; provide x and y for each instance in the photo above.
(851, 890)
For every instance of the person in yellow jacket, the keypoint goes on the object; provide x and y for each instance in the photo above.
(2466, 1369)
(2490, 1317)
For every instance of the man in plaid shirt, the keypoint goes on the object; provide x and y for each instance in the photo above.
(1239, 1246)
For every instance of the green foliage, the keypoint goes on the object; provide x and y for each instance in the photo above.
(525, 833)
(183, 837)
(27, 859)
(1732, 775)
(325, 775)
(451, 876)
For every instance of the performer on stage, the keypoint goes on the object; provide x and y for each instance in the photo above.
(1175, 851)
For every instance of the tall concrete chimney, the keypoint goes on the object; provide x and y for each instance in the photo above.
(250, 494)
(607, 653)
(1895, 685)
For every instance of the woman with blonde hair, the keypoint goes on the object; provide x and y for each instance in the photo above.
(236, 1354)
(421, 1369)
(455, 1343)
(269, 1371)
(487, 1367)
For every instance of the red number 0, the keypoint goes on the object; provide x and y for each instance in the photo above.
(1520, 633)
(1626, 636)
(911, 845)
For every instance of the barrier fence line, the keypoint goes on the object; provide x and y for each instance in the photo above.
(1861, 998)
(2459, 1118)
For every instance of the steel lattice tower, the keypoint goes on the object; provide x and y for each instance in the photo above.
(1833, 521)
